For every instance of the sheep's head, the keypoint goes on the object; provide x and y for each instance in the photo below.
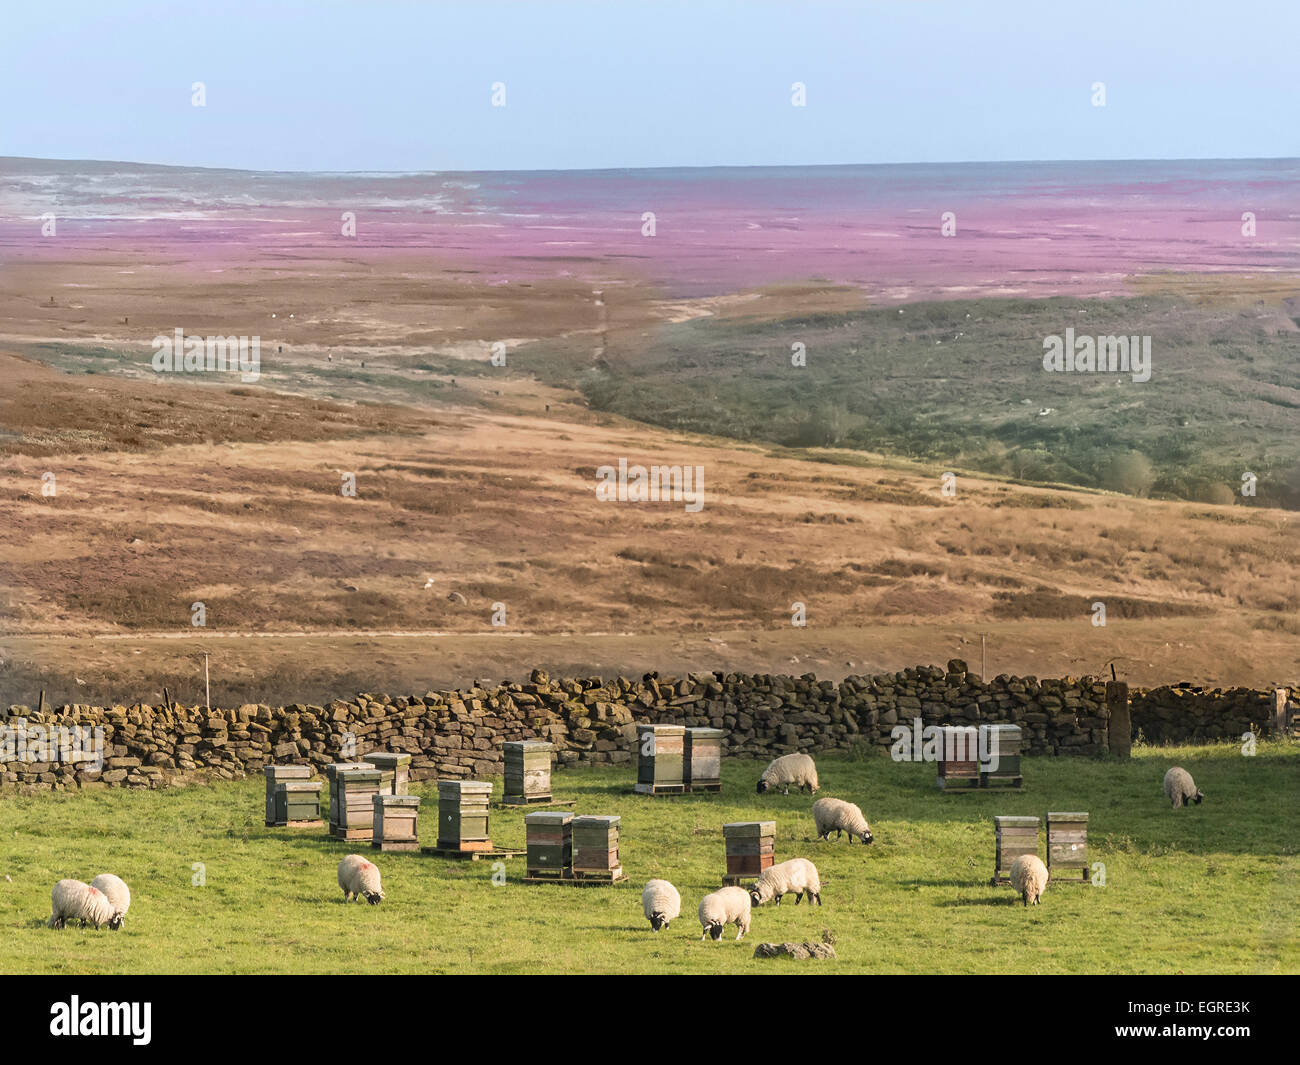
(115, 922)
(762, 786)
(1198, 796)
(374, 897)
(866, 836)
(715, 931)
(755, 896)
(658, 922)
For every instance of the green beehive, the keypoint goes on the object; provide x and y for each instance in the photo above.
(595, 846)
(1013, 836)
(528, 772)
(351, 809)
(275, 774)
(549, 836)
(660, 750)
(297, 803)
(702, 759)
(1067, 847)
(396, 822)
(463, 815)
(396, 770)
(1000, 746)
(331, 775)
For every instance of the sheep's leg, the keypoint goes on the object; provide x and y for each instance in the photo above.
(798, 897)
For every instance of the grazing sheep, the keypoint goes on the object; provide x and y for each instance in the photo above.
(838, 816)
(660, 903)
(118, 895)
(359, 877)
(71, 900)
(798, 770)
(728, 905)
(1029, 877)
(1181, 789)
(798, 875)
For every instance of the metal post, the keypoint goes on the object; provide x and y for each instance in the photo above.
(206, 686)
(984, 675)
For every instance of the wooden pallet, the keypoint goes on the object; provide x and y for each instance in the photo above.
(473, 856)
(393, 845)
(534, 801)
(352, 833)
(659, 789)
(703, 787)
(295, 824)
(989, 780)
(588, 880)
(605, 876)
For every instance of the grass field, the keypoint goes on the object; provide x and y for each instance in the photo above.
(1210, 889)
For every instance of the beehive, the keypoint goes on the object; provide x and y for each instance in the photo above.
(959, 765)
(528, 772)
(351, 810)
(331, 774)
(463, 815)
(396, 770)
(595, 846)
(1067, 847)
(659, 759)
(1013, 836)
(1001, 744)
(275, 774)
(396, 822)
(297, 802)
(549, 840)
(751, 847)
(702, 759)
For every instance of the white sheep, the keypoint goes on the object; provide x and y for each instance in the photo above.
(728, 905)
(797, 876)
(796, 770)
(359, 877)
(1181, 789)
(71, 900)
(838, 816)
(1029, 877)
(118, 895)
(660, 903)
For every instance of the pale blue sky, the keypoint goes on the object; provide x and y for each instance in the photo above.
(406, 85)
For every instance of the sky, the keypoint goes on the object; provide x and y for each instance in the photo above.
(407, 86)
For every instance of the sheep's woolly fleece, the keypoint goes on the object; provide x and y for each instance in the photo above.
(71, 900)
(1029, 878)
(1181, 789)
(838, 816)
(728, 905)
(790, 770)
(359, 877)
(798, 876)
(661, 903)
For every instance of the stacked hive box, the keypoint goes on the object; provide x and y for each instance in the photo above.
(595, 848)
(1001, 743)
(297, 803)
(463, 815)
(959, 765)
(528, 772)
(549, 836)
(332, 776)
(1013, 837)
(751, 848)
(396, 822)
(659, 759)
(395, 770)
(274, 775)
(1067, 847)
(702, 759)
(351, 807)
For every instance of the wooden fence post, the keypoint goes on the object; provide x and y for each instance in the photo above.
(1119, 733)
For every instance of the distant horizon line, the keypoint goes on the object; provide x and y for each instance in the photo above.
(624, 169)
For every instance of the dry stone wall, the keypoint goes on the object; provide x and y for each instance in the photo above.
(593, 721)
